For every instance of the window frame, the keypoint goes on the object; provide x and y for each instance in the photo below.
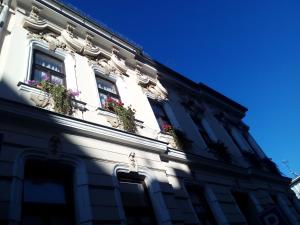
(160, 105)
(203, 201)
(35, 66)
(201, 130)
(105, 92)
(135, 178)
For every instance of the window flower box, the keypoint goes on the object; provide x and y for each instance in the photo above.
(49, 95)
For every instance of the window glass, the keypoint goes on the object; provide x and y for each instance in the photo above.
(201, 129)
(47, 194)
(106, 85)
(106, 89)
(47, 67)
(136, 200)
(159, 113)
(48, 62)
(37, 190)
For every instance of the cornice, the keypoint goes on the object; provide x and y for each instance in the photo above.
(211, 165)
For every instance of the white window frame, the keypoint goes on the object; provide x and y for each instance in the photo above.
(43, 47)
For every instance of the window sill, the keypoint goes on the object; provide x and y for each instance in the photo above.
(107, 113)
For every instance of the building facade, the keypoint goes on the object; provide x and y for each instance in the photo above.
(94, 132)
(295, 186)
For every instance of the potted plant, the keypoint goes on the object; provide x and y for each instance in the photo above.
(62, 98)
(125, 115)
(180, 139)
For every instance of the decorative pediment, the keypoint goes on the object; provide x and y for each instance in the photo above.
(108, 66)
(82, 47)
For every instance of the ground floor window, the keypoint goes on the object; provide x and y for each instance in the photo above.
(201, 206)
(136, 200)
(47, 194)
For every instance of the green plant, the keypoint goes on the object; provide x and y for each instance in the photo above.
(179, 137)
(62, 98)
(126, 115)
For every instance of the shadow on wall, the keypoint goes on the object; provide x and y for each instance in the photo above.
(51, 169)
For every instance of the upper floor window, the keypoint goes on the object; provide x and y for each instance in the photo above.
(160, 114)
(106, 89)
(46, 66)
(202, 130)
(136, 200)
(47, 194)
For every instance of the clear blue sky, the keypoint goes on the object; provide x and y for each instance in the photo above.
(248, 50)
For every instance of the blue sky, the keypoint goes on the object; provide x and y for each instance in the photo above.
(248, 50)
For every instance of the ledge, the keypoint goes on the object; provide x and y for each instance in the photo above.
(105, 112)
(28, 114)
(77, 104)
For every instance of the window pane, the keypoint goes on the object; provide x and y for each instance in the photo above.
(103, 98)
(57, 80)
(48, 62)
(39, 75)
(136, 200)
(160, 114)
(106, 85)
(33, 220)
(37, 191)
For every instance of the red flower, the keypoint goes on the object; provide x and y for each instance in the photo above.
(167, 128)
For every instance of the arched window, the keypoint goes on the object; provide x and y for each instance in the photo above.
(136, 200)
(48, 197)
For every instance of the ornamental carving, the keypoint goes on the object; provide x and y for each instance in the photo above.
(42, 29)
(132, 162)
(151, 86)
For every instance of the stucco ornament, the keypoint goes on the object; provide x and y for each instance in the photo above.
(132, 162)
(41, 100)
(54, 145)
(112, 66)
(83, 47)
(34, 13)
(151, 86)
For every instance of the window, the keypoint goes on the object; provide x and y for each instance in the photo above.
(106, 89)
(201, 206)
(136, 200)
(46, 66)
(233, 138)
(159, 113)
(246, 207)
(47, 194)
(202, 130)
